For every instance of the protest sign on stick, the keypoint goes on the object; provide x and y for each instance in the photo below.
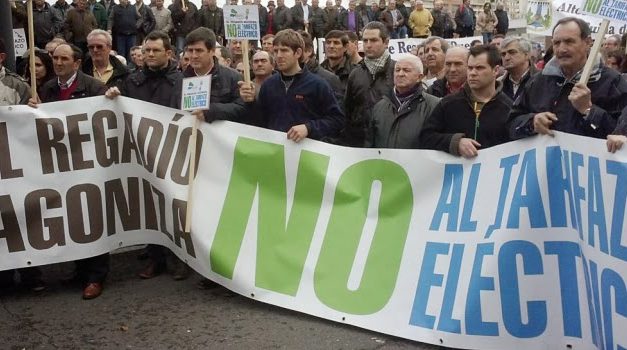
(607, 10)
(242, 23)
(195, 96)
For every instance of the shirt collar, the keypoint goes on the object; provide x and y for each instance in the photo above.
(69, 82)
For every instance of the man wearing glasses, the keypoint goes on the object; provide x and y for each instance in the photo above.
(515, 54)
(101, 64)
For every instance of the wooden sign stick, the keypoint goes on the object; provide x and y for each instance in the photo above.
(31, 50)
(246, 61)
(191, 175)
(596, 47)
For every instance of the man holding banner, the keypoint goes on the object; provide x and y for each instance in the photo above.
(72, 83)
(555, 100)
(226, 103)
(160, 83)
(294, 101)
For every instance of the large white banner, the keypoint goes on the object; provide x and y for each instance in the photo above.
(522, 247)
(397, 47)
(543, 15)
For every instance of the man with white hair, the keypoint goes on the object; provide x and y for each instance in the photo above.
(515, 55)
(397, 119)
(100, 63)
(611, 43)
(455, 63)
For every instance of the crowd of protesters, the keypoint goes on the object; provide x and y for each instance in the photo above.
(452, 99)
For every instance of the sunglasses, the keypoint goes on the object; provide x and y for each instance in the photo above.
(93, 47)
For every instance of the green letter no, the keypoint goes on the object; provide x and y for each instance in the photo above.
(345, 231)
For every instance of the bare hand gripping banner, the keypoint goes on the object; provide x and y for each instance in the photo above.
(522, 247)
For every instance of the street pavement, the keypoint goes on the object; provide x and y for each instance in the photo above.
(165, 314)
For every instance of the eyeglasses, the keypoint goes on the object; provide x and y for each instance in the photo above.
(93, 47)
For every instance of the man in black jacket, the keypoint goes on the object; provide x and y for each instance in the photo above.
(225, 101)
(555, 99)
(72, 84)
(337, 61)
(455, 64)
(122, 24)
(282, 17)
(46, 21)
(310, 61)
(100, 64)
(475, 117)
(159, 83)
(515, 53)
(503, 21)
(212, 17)
(368, 82)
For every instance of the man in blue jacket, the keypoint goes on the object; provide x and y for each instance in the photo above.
(555, 99)
(295, 101)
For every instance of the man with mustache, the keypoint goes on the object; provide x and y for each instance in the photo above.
(555, 100)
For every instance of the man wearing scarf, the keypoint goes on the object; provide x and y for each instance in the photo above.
(555, 100)
(397, 119)
(367, 83)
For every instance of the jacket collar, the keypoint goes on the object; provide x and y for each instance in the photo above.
(553, 69)
(170, 73)
(470, 97)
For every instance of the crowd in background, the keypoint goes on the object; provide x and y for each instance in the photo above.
(454, 99)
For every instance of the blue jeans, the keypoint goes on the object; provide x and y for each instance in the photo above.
(180, 44)
(402, 32)
(487, 37)
(124, 44)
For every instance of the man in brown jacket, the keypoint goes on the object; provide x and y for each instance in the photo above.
(79, 22)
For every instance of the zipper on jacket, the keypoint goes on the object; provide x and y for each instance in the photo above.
(477, 113)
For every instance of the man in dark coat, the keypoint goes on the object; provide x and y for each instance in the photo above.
(397, 119)
(474, 118)
(282, 17)
(368, 82)
(47, 23)
(72, 84)
(159, 83)
(301, 15)
(555, 99)
(503, 21)
(100, 64)
(307, 108)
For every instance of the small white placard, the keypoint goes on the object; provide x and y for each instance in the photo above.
(19, 42)
(241, 22)
(196, 93)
